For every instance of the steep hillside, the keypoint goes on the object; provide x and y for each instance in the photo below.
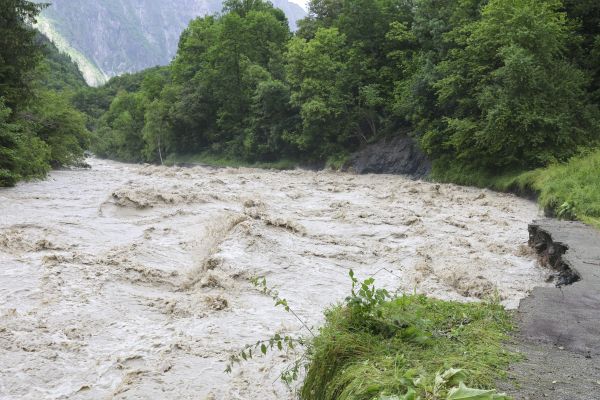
(57, 71)
(111, 37)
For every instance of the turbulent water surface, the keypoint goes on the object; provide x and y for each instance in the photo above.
(132, 282)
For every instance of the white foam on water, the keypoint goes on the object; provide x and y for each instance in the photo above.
(132, 282)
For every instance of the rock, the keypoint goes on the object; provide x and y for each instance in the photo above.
(398, 155)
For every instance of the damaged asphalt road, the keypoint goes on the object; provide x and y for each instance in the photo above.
(560, 327)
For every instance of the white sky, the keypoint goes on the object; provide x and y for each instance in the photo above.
(301, 3)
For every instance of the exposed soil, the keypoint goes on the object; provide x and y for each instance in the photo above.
(131, 282)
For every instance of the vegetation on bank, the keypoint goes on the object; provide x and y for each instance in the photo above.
(489, 85)
(405, 347)
(569, 190)
(489, 105)
(39, 127)
(214, 160)
(377, 346)
(491, 90)
(499, 93)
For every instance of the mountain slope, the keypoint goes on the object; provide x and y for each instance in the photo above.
(111, 37)
(57, 71)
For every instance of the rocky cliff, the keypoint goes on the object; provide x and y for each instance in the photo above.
(397, 155)
(110, 37)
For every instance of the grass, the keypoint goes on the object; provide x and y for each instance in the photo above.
(570, 190)
(225, 161)
(337, 161)
(415, 338)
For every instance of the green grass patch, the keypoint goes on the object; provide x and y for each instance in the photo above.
(571, 190)
(216, 160)
(402, 344)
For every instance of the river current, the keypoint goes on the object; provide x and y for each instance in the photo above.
(132, 281)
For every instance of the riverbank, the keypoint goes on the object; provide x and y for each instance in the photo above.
(409, 347)
(402, 347)
(221, 161)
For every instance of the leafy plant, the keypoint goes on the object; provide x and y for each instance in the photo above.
(278, 342)
(566, 211)
(365, 300)
(449, 385)
(397, 350)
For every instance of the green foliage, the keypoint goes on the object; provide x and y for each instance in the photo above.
(56, 71)
(449, 385)
(243, 88)
(39, 128)
(314, 68)
(568, 190)
(364, 301)
(60, 126)
(512, 99)
(19, 52)
(9, 143)
(415, 339)
(123, 122)
(381, 347)
(223, 92)
(22, 154)
(220, 160)
(571, 190)
(489, 88)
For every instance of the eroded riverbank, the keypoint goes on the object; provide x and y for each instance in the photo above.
(131, 282)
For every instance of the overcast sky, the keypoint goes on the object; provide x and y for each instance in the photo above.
(301, 3)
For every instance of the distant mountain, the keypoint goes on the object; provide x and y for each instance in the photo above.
(110, 37)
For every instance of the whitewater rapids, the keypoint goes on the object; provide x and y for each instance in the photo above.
(132, 282)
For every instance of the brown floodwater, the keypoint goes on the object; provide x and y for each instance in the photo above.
(132, 282)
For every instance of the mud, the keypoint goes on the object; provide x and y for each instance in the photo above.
(132, 282)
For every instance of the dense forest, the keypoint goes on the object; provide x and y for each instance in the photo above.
(486, 87)
(492, 86)
(39, 126)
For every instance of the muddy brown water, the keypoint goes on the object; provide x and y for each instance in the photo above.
(132, 282)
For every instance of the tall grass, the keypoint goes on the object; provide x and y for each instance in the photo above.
(415, 338)
(571, 190)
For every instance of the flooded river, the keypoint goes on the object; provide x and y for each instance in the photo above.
(132, 282)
